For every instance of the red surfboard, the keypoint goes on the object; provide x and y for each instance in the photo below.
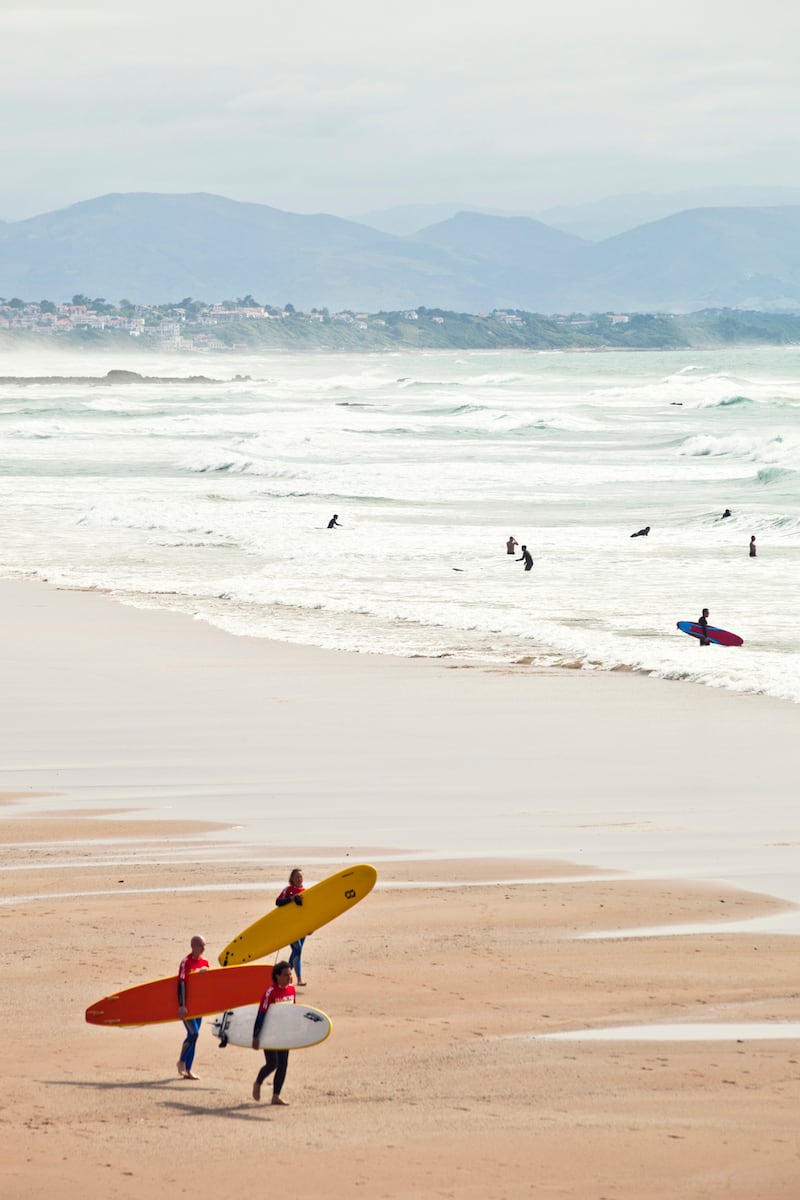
(720, 637)
(206, 992)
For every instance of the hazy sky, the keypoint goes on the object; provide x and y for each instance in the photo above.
(351, 105)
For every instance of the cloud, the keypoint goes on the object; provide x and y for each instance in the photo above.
(359, 104)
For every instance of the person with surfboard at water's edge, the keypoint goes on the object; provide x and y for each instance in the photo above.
(280, 991)
(189, 965)
(293, 893)
(703, 623)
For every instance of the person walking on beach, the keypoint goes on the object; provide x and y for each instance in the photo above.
(280, 991)
(511, 545)
(293, 893)
(753, 551)
(525, 557)
(642, 532)
(189, 965)
(334, 522)
(703, 623)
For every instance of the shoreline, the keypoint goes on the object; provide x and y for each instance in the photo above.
(189, 606)
(229, 685)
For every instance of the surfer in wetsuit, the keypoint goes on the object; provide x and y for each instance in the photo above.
(525, 557)
(642, 532)
(189, 965)
(334, 522)
(753, 551)
(703, 623)
(280, 991)
(727, 513)
(293, 892)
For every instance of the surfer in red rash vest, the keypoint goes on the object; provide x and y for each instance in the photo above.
(293, 893)
(280, 991)
(191, 963)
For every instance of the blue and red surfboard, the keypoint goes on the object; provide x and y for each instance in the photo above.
(720, 637)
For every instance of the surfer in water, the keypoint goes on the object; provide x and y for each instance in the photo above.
(293, 893)
(525, 557)
(280, 991)
(511, 545)
(727, 513)
(189, 965)
(753, 551)
(703, 623)
(334, 522)
(642, 532)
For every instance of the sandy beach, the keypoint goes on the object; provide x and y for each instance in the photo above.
(161, 778)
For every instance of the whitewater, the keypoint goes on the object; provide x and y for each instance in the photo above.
(214, 499)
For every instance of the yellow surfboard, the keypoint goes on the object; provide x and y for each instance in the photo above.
(321, 903)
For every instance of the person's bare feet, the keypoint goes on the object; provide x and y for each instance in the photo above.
(190, 1075)
(256, 1090)
(301, 983)
(277, 1100)
(181, 1069)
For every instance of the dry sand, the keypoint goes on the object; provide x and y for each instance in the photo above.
(436, 1081)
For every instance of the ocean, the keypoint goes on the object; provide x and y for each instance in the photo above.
(214, 499)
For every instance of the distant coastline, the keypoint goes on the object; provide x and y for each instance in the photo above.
(193, 326)
(112, 378)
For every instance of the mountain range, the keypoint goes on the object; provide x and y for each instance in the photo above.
(593, 219)
(152, 248)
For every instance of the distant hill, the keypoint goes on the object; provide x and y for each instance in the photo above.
(705, 258)
(150, 248)
(521, 257)
(595, 220)
(405, 219)
(615, 214)
(146, 246)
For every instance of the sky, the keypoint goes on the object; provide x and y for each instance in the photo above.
(357, 105)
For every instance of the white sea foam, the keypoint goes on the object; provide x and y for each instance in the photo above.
(215, 498)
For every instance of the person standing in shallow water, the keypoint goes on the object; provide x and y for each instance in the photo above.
(334, 522)
(280, 991)
(511, 545)
(753, 551)
(189, 965)
(525, 557)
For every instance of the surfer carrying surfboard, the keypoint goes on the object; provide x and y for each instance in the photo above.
(280, 991)
(293, 893)
(191, 963)
(703, 623)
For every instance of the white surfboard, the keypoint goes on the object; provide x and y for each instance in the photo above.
(286, 1027)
